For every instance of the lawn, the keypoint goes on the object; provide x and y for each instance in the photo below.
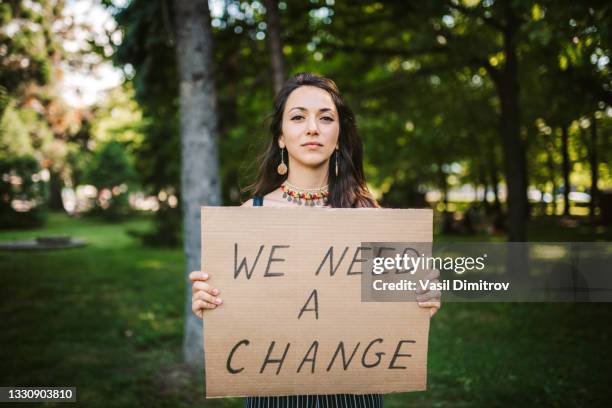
(108, 319)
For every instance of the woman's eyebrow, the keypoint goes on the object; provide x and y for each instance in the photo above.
(327, 110)
(306, 110)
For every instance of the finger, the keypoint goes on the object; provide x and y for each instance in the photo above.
(433, 274)
(420, 289)
(201, 295)
(429, 295)
(198, 285)
(206, 305)
(433, 311)
(430, 305)
(197, 310)
(198, 275)
(198, 306)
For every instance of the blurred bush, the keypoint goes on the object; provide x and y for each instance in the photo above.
(23, 193)
(111, 172)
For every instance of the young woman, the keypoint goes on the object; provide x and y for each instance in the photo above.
(314, 159)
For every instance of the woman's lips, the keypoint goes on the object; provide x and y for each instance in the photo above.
(312, 145)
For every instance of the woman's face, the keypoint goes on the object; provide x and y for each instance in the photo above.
(310, 127)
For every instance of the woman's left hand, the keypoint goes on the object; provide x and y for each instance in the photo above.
(429, 298)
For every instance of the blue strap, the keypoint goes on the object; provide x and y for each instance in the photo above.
(257, 201)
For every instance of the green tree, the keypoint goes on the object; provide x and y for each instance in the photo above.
(33, 117)
(111, 171)
(22, 193)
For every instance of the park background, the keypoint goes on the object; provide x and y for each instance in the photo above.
(496, 114)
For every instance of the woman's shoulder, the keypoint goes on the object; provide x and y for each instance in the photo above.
(271, 199)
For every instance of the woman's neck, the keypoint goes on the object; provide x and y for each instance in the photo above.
(305, 178)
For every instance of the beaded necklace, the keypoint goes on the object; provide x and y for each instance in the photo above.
(311, 197)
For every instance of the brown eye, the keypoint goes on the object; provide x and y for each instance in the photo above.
(328, 118)
(297, 117)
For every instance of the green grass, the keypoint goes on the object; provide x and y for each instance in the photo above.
(108, 319)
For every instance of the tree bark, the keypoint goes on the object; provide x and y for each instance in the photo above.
(566, 169)
(55, 191)
(514, 149)
(526, 177)
(482, 176)
(515, 162)
(275, 44)
(550, 161)
(444, 187)
(494, 185)
(493, 174)
(593, 163)
(199, 151)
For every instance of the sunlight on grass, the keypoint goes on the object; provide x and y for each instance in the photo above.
(548, 251)
(151, 264)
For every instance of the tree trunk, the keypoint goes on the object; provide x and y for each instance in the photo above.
(550, 161)
(566, 169)
(485, 202)
(526, 178)
(494, 184)
(55, 191)
(199, 151)
(493, 173)
(275, 44)
(593, 163)
(543, 205)
(514, 150)
(444, 187)
(485, 187)
(515, 162)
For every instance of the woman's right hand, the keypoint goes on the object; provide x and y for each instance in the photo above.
(204, 296)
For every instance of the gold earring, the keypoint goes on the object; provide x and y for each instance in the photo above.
(337, 162)
(282, 167)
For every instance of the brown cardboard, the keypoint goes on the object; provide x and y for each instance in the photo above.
(262, 310)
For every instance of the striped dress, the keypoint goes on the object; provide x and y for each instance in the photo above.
(313, 401)
(316, 401)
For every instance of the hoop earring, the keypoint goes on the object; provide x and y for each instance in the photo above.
(282, 167)
(337, 162)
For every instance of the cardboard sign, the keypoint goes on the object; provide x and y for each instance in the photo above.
(292, 320)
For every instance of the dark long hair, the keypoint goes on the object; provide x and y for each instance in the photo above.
(346, 190)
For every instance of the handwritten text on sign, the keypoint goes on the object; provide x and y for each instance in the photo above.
(292, 321)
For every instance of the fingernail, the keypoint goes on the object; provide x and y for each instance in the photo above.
(218, 301)
(205, 275)
(216, 291)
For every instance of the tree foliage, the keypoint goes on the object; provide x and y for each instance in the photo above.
(438, 101)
